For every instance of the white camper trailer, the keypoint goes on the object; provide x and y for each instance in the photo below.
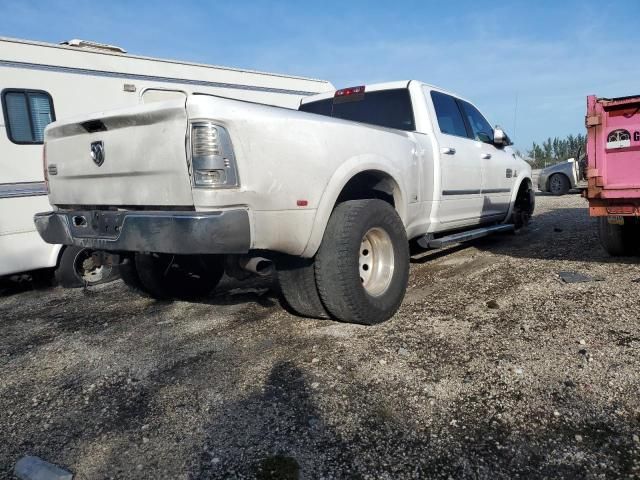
(42, 82)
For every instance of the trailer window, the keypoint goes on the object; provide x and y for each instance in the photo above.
(26, 114)
(386, 108)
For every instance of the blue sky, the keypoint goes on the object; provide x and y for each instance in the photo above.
(547, 54)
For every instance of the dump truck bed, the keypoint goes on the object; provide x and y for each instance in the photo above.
(613, 149)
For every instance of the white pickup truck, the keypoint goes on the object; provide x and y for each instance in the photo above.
(331, 194)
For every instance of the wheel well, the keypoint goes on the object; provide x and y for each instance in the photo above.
(525, 183)
(525, 199)
(59, 255)
(370, 184)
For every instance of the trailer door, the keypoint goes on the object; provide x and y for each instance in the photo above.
(151, 95)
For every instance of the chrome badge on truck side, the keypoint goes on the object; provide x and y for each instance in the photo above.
(97, 152)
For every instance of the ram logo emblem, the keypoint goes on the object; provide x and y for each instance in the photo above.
(97, 152)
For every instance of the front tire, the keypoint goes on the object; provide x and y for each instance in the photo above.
(559, 184)
(523, 207)
(165, 276)
(362, 266)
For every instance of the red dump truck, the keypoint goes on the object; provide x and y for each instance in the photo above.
(613, 172)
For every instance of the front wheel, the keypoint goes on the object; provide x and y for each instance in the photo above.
(362, 266)
(523, 207)
(559, 184)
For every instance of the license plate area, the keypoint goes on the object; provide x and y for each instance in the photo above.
(615, 220)
(96, 224)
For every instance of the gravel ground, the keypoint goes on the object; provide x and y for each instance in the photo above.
(492, 368)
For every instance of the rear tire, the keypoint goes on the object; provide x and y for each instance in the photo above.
(362, 266)
(129, 274)
(297, 280)
(43, 278)
(76, 269)
(559, 184)
(618, 240)
(166, 276)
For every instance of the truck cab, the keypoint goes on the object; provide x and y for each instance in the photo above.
(465, 170)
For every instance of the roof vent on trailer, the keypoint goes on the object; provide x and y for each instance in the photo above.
(93, 45)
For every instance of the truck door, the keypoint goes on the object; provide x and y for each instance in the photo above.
(498, 165)
(460, 165)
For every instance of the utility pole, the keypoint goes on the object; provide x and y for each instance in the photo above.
(515, 116)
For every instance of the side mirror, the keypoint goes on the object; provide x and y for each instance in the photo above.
(500, 138)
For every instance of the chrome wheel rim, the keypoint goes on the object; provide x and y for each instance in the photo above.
(376, 261)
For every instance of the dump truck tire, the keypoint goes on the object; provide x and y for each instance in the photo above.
(617, 240)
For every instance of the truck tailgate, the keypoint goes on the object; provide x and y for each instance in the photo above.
(130, 157)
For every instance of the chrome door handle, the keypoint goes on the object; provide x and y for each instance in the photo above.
(486, 156)
(448, 151)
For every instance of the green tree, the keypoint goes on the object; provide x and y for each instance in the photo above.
(555, 150)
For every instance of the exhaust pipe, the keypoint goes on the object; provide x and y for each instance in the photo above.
(259, 265)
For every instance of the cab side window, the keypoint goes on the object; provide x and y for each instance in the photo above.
(449, 115)
(480, 128)
(26, 114)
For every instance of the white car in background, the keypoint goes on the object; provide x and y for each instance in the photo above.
(560, 178)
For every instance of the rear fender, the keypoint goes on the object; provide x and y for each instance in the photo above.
(345, 172)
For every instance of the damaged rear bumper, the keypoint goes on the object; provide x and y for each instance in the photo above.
(224, 231)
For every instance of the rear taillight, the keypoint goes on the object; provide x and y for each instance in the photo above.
(621, 210)
(205, 140)
(212, 157)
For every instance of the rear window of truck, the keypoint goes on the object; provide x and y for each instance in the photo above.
(385, 108)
